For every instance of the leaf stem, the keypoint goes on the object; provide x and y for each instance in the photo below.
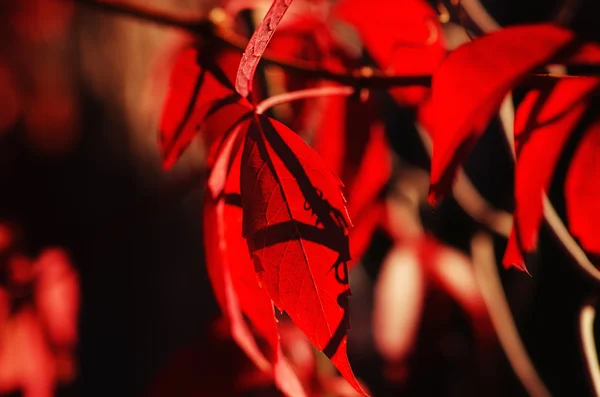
(587, 315)
(493, 295)
(303, 94)
(562, 233)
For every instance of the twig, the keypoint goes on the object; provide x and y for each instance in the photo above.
(207, 28)
(479, 15)
(211, 30)
(568, 242)
(491, 288)
(587, 315)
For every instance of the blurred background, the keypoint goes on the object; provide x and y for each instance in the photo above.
(81, 93)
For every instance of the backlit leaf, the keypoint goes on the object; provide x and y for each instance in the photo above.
(232, 271)
(470, 85)
(257, 45)
(200, 86)
(544, 121)
(295, 223)
(582, 192)
(403, 36)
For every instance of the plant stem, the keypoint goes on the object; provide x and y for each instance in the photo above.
(493, 295)
(562, 233)
(587, 315)
(303, 94)
(206, 28)
(210, 30)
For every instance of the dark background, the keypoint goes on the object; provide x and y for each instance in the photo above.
(134, 231)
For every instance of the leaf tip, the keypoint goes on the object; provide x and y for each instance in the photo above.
(434, 197)
(168, 162)
(515, 261)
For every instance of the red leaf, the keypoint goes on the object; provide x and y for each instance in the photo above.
(232, 270)
(330, 136)
(295, 224)
(353, 144)
(362, 232)
(217, 263)
(543, 123)
(470, 85)
(257, 45)
(365, 206)
(221, 166)
(198, 88)
(373, 173)
(403, 36)
(582, 191)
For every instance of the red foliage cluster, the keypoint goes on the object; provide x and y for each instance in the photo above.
(277, 228)
(467, 91)
(39, 305)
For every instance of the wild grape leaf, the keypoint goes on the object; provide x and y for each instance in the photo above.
(582, 192)
(330, 134)
(231, 270)
(305, 37)
(200, 86)
(470, 85)
(353, 144)
(362, 233)
(403, 36)
(221, 165)
(217, 265)
(373, 173)
(257, 45)
(295, 223)
(366, 205)
(544, 121)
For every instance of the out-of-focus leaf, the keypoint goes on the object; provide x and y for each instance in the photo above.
(353, 144)
(583, 193)
(544, 121)
(200, 87)
(57, 297)
(470, 85)
(403, 36)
